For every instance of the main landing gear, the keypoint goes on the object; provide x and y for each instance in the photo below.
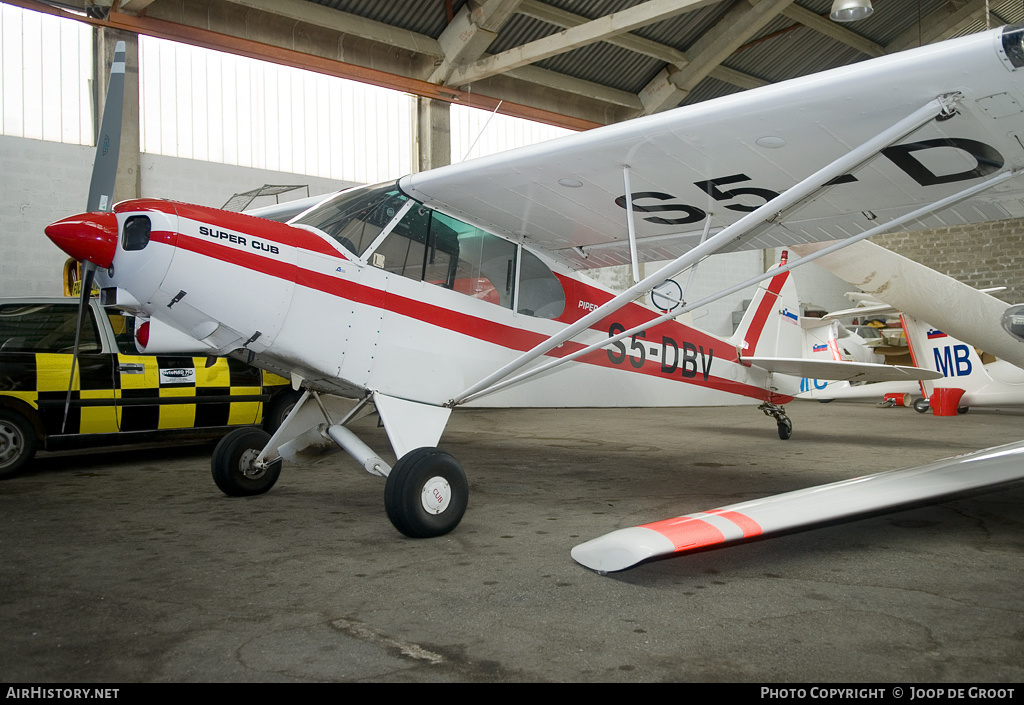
(779, 414)
(425, 495)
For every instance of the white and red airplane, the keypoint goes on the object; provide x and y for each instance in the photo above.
(462, 285)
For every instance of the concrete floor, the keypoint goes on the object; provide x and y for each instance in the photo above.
(130, 566)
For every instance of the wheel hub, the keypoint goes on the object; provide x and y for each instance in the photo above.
(9, 443)
(436, 495)
(247, 465)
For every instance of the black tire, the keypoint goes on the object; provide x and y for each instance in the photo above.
(231, 464)
(18, 442)
(426, 493)
(785, 429)
(277, 409)
(962, 409)
(921, 405)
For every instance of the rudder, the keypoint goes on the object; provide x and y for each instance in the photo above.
(771, 323)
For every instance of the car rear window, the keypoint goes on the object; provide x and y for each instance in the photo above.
(45, 328)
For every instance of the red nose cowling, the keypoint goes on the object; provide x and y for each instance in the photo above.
(89, 236)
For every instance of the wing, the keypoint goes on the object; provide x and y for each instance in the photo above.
(626, 547)
(709, 164)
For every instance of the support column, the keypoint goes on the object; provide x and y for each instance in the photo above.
(433, 133)
(129, 179)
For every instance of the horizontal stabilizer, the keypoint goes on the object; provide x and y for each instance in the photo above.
(862, 312)
(626, 547)
(845, 371)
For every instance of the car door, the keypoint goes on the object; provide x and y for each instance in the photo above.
(37, 342)
(164, 392)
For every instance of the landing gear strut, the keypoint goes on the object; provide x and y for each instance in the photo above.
(779, 414)
(426, 491)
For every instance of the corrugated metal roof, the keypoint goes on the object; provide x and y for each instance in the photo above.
(426, 17)
(782, 49)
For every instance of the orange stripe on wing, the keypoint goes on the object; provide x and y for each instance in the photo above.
(687, 532)
(748, 526)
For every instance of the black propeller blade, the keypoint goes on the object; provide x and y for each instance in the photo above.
(108, 141)
(101, 190)
(88, 272)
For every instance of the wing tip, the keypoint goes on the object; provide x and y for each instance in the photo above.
(621, 549)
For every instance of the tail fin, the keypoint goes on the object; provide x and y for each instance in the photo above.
(821, 342)
(959, 363)
(771, 324)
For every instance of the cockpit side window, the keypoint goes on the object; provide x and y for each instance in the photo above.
(435, 248)
(356, 217)
(485, 266)
(540, 293)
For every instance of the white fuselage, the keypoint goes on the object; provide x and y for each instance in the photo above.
(302, 305)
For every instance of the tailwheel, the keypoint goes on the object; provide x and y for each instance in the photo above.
(779, 414)
(234, 468)
(785, 428)
(426, 493)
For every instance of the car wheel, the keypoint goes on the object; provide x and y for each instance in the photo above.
(18, 442)
(278, 408)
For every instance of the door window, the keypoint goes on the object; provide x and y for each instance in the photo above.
(435, 248)
(46, 328)
(540, 293)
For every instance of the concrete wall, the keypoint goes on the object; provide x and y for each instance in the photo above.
(45, 181)
(41, 182)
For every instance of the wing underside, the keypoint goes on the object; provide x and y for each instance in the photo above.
(697, 169)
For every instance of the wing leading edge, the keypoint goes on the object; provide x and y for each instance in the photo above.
(707, 165)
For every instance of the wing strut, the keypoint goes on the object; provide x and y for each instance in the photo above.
(631, 225)
(942, 105)
(895, 222)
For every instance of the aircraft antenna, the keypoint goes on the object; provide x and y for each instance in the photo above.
(481, 133)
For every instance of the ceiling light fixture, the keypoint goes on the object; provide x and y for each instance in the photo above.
(850, 10)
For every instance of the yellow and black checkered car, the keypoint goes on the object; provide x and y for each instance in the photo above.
(117, 395)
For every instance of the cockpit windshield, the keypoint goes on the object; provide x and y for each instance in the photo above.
(356, 217)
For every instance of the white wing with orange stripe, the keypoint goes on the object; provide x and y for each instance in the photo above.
(626, 547)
